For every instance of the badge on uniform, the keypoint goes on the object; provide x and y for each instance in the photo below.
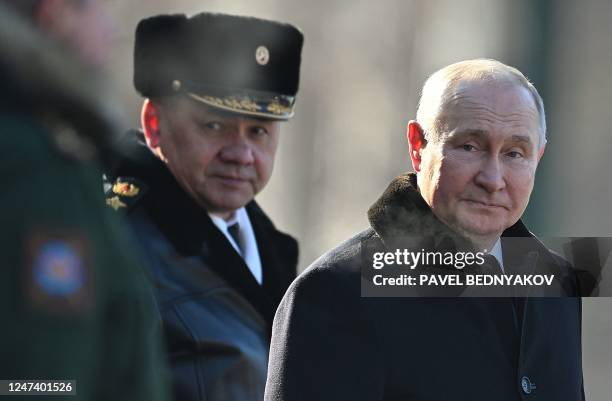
(124, 192)
(58, 279)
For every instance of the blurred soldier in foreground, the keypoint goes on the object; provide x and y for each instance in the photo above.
(478, 138)
(217, 87)
(74, 302)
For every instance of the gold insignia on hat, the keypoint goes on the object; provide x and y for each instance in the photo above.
(230, 103)
(278, 108)
(241, 104)
(262, 55)
(115, 203)
(244, 104)
(125, 189)
(216, 101)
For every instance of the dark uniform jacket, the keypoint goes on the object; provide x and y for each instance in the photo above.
(329, 343)
(217, 318)
(74, 302)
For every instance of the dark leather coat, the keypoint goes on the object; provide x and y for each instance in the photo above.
(216, 317)
(330, 343)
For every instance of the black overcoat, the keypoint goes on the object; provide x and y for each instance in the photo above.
(330, 343)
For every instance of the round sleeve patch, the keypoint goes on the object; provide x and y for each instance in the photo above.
(59, 269)
(58, 277)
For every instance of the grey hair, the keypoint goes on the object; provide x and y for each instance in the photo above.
(440, 86)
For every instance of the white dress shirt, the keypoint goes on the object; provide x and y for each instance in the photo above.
(496, 251)
(249, 252)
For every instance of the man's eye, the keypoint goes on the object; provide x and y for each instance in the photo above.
(259, 131)
(514, 154)
(468, 148)
(213, 125)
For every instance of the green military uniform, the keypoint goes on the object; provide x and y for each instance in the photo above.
(74, 301)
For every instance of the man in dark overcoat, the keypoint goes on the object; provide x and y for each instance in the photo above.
(475, 145)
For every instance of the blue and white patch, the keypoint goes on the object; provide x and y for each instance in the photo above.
(58, 277)
(58, 269)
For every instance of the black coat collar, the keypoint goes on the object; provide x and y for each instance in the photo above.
(401, 212)
(403, 220)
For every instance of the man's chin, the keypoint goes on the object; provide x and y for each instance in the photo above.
(232, 203)
(479, 227)
(217, 199)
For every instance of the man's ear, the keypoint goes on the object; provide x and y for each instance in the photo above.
(149, 118)
(541, 152)
(416, 143)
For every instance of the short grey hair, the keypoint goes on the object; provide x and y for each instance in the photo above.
(440, 85)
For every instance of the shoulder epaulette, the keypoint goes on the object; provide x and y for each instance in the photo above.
(124, 192)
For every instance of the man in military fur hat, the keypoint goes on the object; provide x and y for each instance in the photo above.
(216, 88)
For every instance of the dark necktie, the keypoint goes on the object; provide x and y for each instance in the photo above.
(234, 231)
(491, 265)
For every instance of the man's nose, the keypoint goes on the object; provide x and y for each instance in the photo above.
(491, 175)
(237, 150)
